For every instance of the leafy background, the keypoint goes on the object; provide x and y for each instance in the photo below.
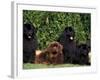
(49, 25)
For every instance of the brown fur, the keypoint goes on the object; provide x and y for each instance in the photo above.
(55, 53)
(51, 55)
(41, 57)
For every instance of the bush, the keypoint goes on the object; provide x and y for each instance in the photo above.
(49, 25)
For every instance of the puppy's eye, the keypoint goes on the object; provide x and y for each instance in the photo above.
(54, 53)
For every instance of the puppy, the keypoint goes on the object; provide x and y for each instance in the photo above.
(55, 53)
(29, 43)
(66, 39)
(41, 57)
(83, 54)
(51, 55)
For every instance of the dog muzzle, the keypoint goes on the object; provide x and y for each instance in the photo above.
(71, 38)
(29, 37)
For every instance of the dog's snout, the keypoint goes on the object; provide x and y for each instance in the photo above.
(71, 38)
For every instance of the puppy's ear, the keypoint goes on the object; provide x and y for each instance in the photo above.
(35, 29)
(61, 47)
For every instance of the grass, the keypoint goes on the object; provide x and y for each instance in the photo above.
(40, 66)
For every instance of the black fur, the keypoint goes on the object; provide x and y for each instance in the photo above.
(82, 55)
(69, 45)
(29, 43)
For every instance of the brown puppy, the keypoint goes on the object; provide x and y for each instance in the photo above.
(55, 54)
(41, 57)
(51, 55)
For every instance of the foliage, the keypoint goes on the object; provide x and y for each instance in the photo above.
(49, 25)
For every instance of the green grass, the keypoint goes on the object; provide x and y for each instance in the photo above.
(40, 66)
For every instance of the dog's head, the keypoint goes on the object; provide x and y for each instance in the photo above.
(29, 31)
(54, 49)
(69, 33)
(84, 49)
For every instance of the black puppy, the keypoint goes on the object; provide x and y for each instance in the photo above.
(82, 55)
(69, 45)
(29, 43)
